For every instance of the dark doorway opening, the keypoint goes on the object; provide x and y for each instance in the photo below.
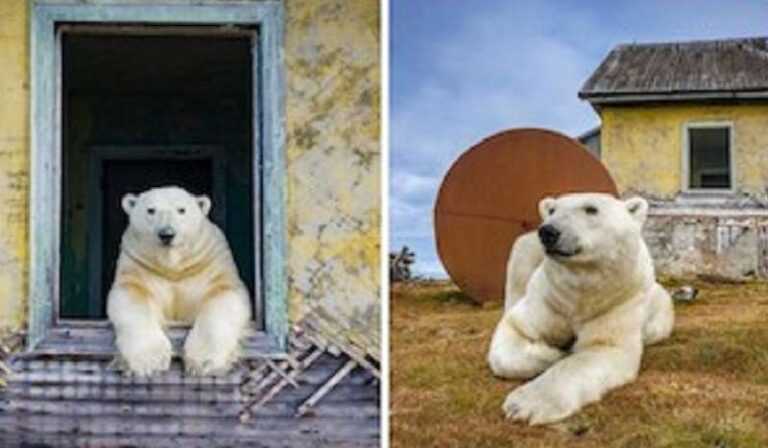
(144, 110)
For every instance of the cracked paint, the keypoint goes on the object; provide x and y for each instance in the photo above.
(332, 114)
(642, 146)
(14, 163)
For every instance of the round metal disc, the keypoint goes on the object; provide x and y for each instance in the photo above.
(490, 196)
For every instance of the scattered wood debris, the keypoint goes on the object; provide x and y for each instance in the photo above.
(266, 378)
(8, 345)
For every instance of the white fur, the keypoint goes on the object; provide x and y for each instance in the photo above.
(192, 280)
(601, 296)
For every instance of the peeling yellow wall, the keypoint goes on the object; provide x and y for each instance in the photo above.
(333, 161)
(642, 146)
(332, 153)
(14, 162)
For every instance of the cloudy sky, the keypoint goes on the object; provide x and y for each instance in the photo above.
(464, 69)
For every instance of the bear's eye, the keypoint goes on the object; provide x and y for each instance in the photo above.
(552, 211)
(182, 210)
(151, 210)
(590, 210)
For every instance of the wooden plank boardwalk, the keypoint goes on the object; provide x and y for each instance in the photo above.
(317, 398)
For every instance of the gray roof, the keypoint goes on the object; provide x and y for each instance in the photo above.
(715, 69)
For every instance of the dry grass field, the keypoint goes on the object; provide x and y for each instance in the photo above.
(707, 386)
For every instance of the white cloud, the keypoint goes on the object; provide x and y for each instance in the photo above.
(496, 71)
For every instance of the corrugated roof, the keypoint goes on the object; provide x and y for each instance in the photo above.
(736, 68)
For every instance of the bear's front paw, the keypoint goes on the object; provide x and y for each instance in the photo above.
(528, 404)
(202, 364)
(147, 357)
(203, 358)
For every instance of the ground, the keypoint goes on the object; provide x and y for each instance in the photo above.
(706, 386)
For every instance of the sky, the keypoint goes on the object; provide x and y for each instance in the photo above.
(461, 70)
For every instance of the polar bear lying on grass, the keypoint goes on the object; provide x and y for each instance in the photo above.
(581, 302)
(175, 265)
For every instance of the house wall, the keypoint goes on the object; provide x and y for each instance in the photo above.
(642, 146)
(333, 161)
(721, 236)
(332, 155)
(14, 162)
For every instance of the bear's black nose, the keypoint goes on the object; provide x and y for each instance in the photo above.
(166, 235)
(548, 234)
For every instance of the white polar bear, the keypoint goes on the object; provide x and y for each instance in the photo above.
(581, 302)
(175, 265)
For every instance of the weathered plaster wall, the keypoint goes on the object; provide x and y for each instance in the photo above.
(14, 162)
(333, 164)
(725, 237)
(723, 244)
(642, 146)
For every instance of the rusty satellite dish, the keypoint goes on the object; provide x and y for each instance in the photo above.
(490, 196)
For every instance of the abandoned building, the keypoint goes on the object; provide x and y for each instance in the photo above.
(683, 124)
(272, 109)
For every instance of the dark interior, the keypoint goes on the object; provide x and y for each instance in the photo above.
(709, 158)
(153, 101)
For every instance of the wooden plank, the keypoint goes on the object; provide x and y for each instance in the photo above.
(175, 393)
(187, 441)
(43, 179)
(305, 364)
(98, 342)
(113, 378)
(168, 30)
(262, 426)
(351, 409)
(323, 391)
(84, 408)
(275, 279)
(135, 393)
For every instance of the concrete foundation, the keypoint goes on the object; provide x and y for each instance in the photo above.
(726, 243)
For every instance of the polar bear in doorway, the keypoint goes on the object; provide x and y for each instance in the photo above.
(176, 265)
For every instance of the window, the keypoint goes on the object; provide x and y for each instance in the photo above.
(709, 164)
(125, 97)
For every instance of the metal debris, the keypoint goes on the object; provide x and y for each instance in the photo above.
(685, 294)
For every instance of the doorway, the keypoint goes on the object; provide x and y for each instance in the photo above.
(148, 107)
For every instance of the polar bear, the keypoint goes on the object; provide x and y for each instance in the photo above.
(176, 265)
(581, 302)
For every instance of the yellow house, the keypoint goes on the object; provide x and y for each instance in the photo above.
(684, 125)
(271, 108)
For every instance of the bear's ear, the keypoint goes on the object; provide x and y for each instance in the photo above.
(638, 208)
(129, 202)
(546, 206)
(204, 202)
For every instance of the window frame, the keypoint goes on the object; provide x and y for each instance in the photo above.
(263, 21)
(686, 157)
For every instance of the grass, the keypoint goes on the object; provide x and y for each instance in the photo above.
(706, 386)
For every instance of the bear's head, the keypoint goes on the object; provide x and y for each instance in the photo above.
(590, 227)
(166, 216)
